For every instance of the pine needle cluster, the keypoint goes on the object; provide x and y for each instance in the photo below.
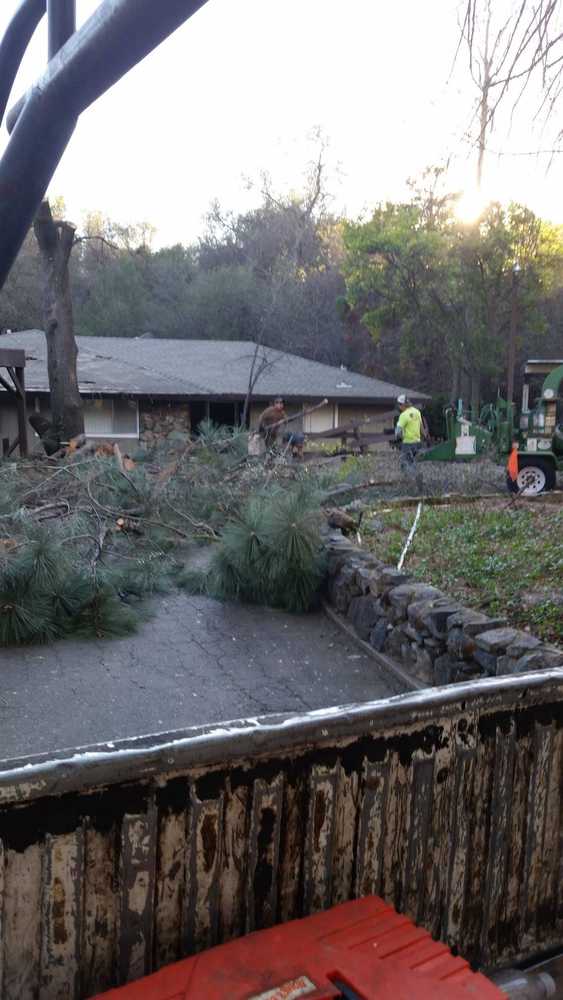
(44, 595)
(270, 553)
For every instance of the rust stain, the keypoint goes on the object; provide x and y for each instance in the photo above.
(374, 782)
(209, 841)
(174, 870)
(319, 818)
(264, 872)
(60, 935)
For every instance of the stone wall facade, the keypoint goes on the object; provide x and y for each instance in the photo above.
(159, 421)
(433, 638)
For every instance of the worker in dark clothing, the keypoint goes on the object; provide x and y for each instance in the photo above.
(46, 432)
(272, 416)
(296, 441)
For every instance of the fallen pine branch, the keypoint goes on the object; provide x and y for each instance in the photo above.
(110, 510)
(121, 465)
(63, 468)
(167, 527)
(99, 545)
(209, 532)
(348, 488)
(59, 509)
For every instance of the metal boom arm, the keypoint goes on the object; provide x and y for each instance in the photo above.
(16, 38)
(62, 23)
(115, 38)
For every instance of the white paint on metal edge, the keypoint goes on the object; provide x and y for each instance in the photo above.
(428, 696)
(290, 990)
(333, 710)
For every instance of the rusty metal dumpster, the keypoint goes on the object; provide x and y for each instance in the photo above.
(446, 803)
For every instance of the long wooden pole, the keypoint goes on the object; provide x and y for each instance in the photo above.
(512, 337)
(297, 416)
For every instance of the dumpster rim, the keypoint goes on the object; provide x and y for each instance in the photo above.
(149, 756)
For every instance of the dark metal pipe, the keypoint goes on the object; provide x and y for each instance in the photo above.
(16, 38)
(61, 25)
(117, 36)
(27, 166)
(61, 16)
(14, 113)
(516, 984)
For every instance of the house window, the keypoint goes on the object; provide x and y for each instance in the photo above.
(320, 420)
(111, 418)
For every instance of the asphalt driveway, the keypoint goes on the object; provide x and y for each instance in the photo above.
(196, 661)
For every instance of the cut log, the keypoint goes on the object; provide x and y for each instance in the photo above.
(338, 518)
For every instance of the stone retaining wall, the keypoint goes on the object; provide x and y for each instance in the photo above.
(432, 637)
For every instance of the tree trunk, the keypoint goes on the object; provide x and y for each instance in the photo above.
(455, 380)
(251, 381)
(485, 118)
(55, 241)
(475, 395)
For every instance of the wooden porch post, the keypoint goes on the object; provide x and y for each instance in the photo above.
(22, 410)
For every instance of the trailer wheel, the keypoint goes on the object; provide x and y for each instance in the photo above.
(536, 475)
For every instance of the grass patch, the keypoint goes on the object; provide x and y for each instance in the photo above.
(506, 561)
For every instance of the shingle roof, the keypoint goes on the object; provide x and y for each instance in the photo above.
(202, 368)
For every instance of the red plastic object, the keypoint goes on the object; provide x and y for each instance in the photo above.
(363, 949)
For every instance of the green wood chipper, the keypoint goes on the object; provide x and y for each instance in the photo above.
(536, 433)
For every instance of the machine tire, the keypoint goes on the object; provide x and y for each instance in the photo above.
(535, 475)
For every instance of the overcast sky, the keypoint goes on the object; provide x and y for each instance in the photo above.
(240, 87)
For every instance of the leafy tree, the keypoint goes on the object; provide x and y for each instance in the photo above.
(442, 292)
(291, 249)
(410, 295)
(113, 301)
(224, 303)
(20, 298)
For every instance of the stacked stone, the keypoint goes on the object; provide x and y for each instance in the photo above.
(168, 422)
(511, 651)
(434, 638)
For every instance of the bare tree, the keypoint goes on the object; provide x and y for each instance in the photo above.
(506, 55)
(260, 363)
(56, 240)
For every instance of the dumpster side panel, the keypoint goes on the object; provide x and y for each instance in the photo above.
(449, 805)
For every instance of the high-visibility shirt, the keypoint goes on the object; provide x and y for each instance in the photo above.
(411, 422)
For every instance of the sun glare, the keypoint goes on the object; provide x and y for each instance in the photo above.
(470, 206)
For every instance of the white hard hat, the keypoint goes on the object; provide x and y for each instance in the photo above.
(401, 399)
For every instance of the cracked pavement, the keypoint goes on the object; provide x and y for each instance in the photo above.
(195, 661)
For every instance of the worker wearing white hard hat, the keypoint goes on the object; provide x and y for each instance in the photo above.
(409, 430)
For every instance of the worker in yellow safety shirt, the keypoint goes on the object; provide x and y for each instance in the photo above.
(410, 429)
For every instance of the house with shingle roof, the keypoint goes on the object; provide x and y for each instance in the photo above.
(144, 388)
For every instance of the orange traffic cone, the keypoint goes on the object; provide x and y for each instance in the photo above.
(512, 464)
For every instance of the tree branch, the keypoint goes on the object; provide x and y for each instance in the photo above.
(101, 239)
